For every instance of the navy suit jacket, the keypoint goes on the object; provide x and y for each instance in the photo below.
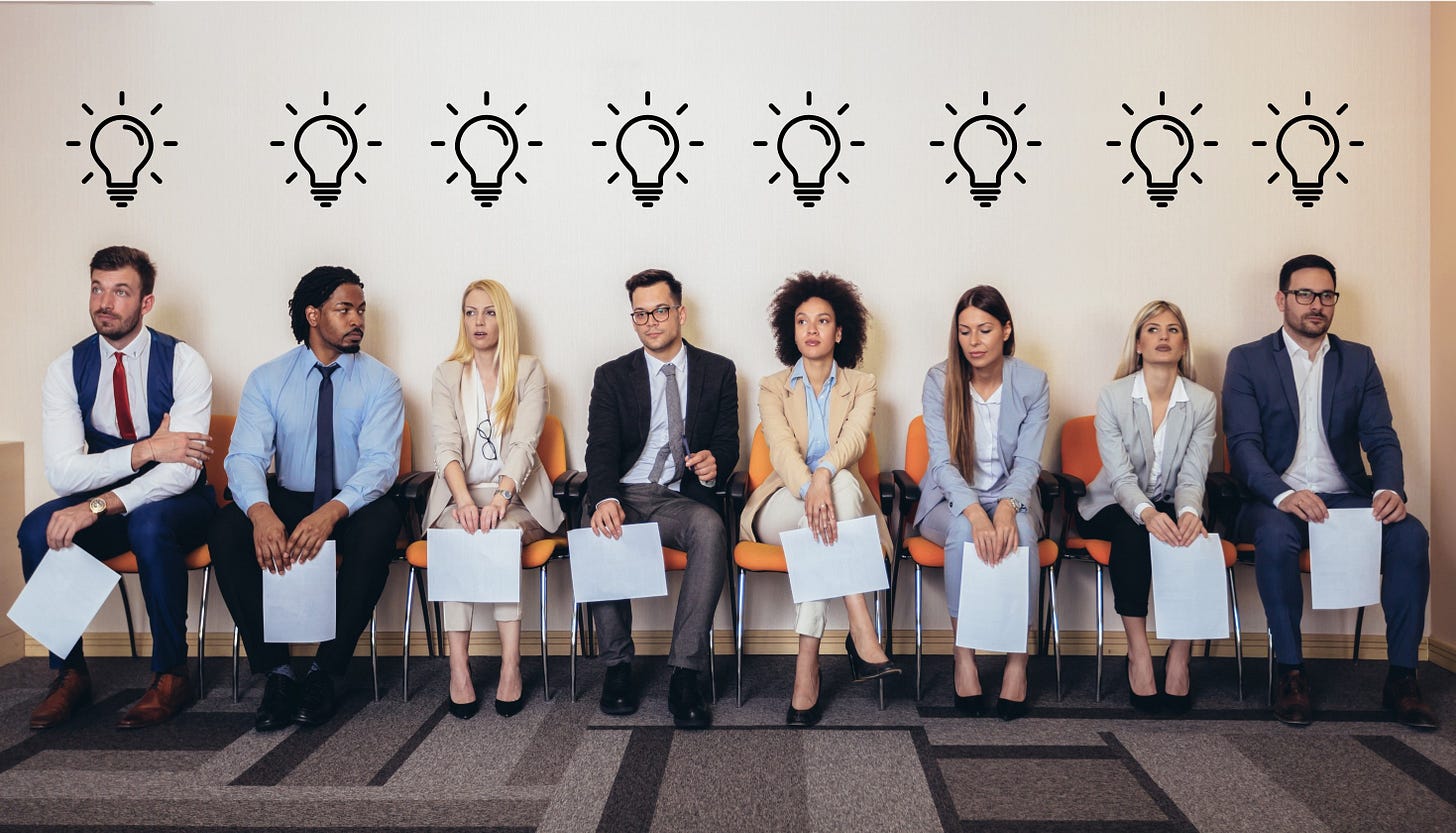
(620, 417)
(1261, 417)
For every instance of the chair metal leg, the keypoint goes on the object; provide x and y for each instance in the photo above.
(126, 608)
(894, 569)
(738, 636)
(880, 633)
(424, 610)
(1269, 689)
(1099, 633)
(1359, 623)
(1040, 614)
(202, 633)
(439, 629)
(545, 670)
(919, 636)
(713, 665)
(409, 598)
(236, 637)
(374, 653)
(1051, 574)
(1238, 630)
(1207, 647)
(575, 627)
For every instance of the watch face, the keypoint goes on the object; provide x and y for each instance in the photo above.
(97, 505)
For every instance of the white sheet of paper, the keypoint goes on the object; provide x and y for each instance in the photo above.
(62, 597)
(1190, 589)
(479, 567)
(1344, 560)
(854, 564)
(301, 605)
(607, 569)
(995, 602)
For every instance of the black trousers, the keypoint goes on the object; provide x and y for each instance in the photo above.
(366, 545)
(1131, 563)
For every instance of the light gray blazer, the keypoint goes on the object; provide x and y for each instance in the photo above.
(1025, 406)
(1125, 444)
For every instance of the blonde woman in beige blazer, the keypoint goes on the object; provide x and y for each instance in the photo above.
(816, 418)
(487, 472)
(1155, 430)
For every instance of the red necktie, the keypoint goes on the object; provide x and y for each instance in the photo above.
(123, 402)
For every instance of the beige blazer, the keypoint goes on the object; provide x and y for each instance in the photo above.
(453, 419)
(785, 416)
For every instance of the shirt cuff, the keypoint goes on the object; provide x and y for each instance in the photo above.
(1378, 491)
(829, 466)
(803, 490)
(1137, 511)
(612, 499)
(1279, 498)
(1189, 510)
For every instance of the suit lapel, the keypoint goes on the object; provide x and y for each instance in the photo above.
(839, 402)
(1329, 380)
(696, 384)
(469, 416)
(1176, 419)
(1142, 417)
(641, 395)
(1008, 427)
(1285, 371)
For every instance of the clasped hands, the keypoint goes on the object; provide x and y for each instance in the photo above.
(1187, 529)
(278, 551)
(167, 446)
(994, 538)
(483, 518)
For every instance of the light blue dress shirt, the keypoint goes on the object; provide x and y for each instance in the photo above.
(818, 418)
(278, 416)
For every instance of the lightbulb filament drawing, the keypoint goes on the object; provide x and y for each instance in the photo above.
(121, 145)
(1162, 146)
(1308, 145)
(325, 145)
(985, 145)
(809, 145)
(648, 146)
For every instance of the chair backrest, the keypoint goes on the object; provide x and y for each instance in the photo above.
(760, 466)
(551, 448)
(406, 451)
(1079, 449)
(221, 428)
(917, 450)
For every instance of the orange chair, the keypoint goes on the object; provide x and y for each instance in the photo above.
(926, 553)
(221, 429)
(1080, 465)
(551, 448)
(753, 557)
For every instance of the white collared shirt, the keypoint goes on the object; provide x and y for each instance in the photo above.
(657, 430)
(483, 469)
(1313, 467)
(1156, 488)
(989, 468)
(69, 469)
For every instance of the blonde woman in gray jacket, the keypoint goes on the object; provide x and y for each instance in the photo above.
(488, 406)
(1155, 429)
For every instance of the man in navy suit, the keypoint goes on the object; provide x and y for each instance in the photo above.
(1299, 406)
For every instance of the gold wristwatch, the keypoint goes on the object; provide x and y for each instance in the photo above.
(97, 505)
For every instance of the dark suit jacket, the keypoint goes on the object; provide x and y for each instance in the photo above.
(1261, 417)
(621, 414)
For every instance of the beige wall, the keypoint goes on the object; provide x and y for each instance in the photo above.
(12, 509)
(1075, 251)
(1443, 336)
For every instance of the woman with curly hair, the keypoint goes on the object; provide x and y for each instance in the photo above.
(816, 417)
(985, 418)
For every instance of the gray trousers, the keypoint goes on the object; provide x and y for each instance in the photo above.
(694, 528)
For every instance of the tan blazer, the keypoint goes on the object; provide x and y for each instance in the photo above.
(453, 419)
(785, 416)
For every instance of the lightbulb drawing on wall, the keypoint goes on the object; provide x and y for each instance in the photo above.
(487, 146)
(1162, 147)
(121, 145)
(985, 145)
(325, 145)
(1308, 146)
(808, 144)
(647, 145)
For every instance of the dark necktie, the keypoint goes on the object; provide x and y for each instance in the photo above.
(674, 447)
(123, 402)
(323, 458)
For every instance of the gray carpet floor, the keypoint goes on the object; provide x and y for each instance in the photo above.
(1073, 765)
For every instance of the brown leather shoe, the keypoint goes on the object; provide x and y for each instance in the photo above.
(70, 690)
(168, 694)
(1291, 706)
(1403, 699)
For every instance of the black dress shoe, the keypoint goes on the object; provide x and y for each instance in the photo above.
(863, 671)
(506, 708)
(805, 717)
(1403, 699)
(685, 701)
(618, 695)
(1177, 705)
(970, 705)
(1011, 709)
(1145, 703)
(464, 711)
(315, 699)
(280, 700)
(1292, 703)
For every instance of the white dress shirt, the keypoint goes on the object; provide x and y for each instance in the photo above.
(1313, 467)
(481, 471)
(68, 467)
(1160, 440)
(657, 429)
(987, 434)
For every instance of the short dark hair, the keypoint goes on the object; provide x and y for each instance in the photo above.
(312, 291)
(849, 314)
(112, 258)
(648, 277)
(1304, 262)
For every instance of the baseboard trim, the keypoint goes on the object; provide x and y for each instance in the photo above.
(781, 642)
(1443, 654)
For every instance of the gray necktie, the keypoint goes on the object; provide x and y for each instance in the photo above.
(674, 445)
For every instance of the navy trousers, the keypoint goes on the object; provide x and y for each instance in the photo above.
(161, 534)
(1405, 567)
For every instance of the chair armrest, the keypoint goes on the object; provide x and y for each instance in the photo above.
(412, 490)
(909, 489)
(1072, 488)
(887, 492)
(1224, 486)
(561, 486)
(569, 488)
(1049, 488)
(738, 487)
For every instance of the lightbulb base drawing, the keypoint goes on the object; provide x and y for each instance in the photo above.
(1161, 196)
(647, 195)
(1307, 195)
(985, 195)
(325, 196)
(486, 195)
(809, 195)
(121, 197)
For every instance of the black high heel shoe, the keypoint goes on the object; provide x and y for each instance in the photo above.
(464, 711)
(863, 671)
(506, 708)
(970, 705)
(806, 717)
(1145, 703)
(1009, 710)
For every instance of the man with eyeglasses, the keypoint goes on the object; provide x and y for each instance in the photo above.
(661, 430)
(1299, 407)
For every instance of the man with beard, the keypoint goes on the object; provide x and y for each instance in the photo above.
(1299, 407)
(124, 419)
(329, 418)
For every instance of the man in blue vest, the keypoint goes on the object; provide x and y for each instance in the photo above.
(124, 419)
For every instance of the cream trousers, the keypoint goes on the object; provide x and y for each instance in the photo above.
(460, 616)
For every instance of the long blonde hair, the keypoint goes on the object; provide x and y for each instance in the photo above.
(959, 420)
(1132, 362)
(507, 351)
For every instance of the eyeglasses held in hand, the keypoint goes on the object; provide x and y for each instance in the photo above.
(1305, 297)
(639, 316)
